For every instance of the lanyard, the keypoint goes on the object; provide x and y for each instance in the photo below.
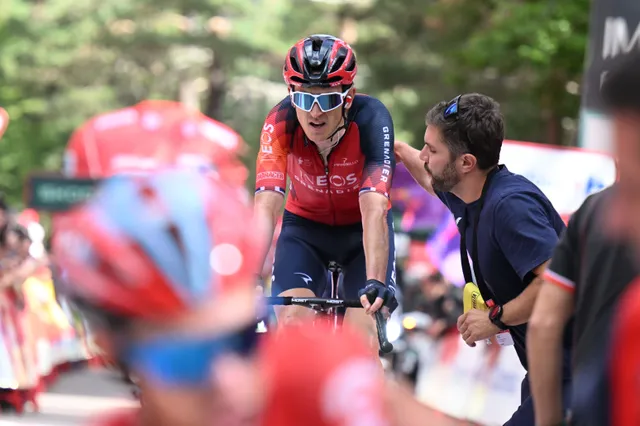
(464, 258)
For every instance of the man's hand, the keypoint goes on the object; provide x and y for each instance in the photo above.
(385, 296)
(410, 157)
(399, 148)
(475, 325)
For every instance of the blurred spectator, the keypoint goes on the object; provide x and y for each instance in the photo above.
(587, 275)
(440, 300)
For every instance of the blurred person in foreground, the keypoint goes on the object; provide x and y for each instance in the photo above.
(588, 273)
(508, 227)
(621, 93)
(154, 134)
(168, 276)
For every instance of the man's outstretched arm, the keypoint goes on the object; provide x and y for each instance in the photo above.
(411, 159)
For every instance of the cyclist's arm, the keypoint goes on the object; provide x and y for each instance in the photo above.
(377, 139)
(271, 175)
(411, 159)
(267, 207)
(552, 311)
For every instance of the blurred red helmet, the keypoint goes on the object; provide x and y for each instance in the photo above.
(320, 61)
(156, 245)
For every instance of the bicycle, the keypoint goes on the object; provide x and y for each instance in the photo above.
(333, 306)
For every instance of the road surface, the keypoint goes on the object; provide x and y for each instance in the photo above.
(75, 396)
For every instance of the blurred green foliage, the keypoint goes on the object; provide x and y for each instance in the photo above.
(62, 61)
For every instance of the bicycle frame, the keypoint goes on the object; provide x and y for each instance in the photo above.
(328, 307)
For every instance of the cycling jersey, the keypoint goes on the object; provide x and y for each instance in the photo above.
(362, 161)
(340, 385)
(121, 418)
(149, 135)
(624, 359)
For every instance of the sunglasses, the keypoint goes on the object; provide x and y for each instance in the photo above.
(326, 101)
(185, 361)
(451, 111)
(452, 108)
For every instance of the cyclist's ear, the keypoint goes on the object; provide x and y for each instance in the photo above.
(349, 98)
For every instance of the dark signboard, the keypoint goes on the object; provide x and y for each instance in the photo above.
(54, 193)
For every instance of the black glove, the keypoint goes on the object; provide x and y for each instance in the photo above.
(374, 289)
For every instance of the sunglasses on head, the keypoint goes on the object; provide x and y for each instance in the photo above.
(451, 111)
(326, 101)
(452, 107)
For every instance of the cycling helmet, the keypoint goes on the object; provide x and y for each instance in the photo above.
(320, 61)
(154, 246)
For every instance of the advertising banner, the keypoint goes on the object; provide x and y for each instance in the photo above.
(565, 175)
(614, 32)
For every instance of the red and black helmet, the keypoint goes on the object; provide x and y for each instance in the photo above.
(320, 61)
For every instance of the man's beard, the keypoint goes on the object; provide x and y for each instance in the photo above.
(446, 180)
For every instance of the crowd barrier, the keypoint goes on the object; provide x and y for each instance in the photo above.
(479, 385)
(38, 340)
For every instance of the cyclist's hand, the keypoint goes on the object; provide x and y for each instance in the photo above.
(375, 295)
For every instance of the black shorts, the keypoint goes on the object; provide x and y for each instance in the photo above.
(305, 248)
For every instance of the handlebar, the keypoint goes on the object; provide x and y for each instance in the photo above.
(311, 302)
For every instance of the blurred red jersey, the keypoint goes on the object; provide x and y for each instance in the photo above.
(153, 134)
(318, 377)
(625, 360)
(120, 418)
(340, 384)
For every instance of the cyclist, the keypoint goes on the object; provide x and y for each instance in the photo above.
(152, 134)
(167, 276)
(336, 147)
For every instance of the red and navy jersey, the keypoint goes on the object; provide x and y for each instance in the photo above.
(362, 161)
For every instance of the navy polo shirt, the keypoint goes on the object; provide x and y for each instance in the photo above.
(518, 231)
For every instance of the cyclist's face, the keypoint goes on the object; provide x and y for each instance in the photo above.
(319, 125)
(196, 404)
(438, 161)
(624, 215)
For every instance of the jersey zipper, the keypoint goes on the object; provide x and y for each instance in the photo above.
(326, 173)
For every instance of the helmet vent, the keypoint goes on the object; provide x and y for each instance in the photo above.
(294, 62)
(352, 64)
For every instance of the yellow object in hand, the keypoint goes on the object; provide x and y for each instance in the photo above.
(472, 299)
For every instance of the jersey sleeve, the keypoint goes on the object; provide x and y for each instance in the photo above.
(75, 161)
(524, 232)
(275, 139)
(377, 140)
